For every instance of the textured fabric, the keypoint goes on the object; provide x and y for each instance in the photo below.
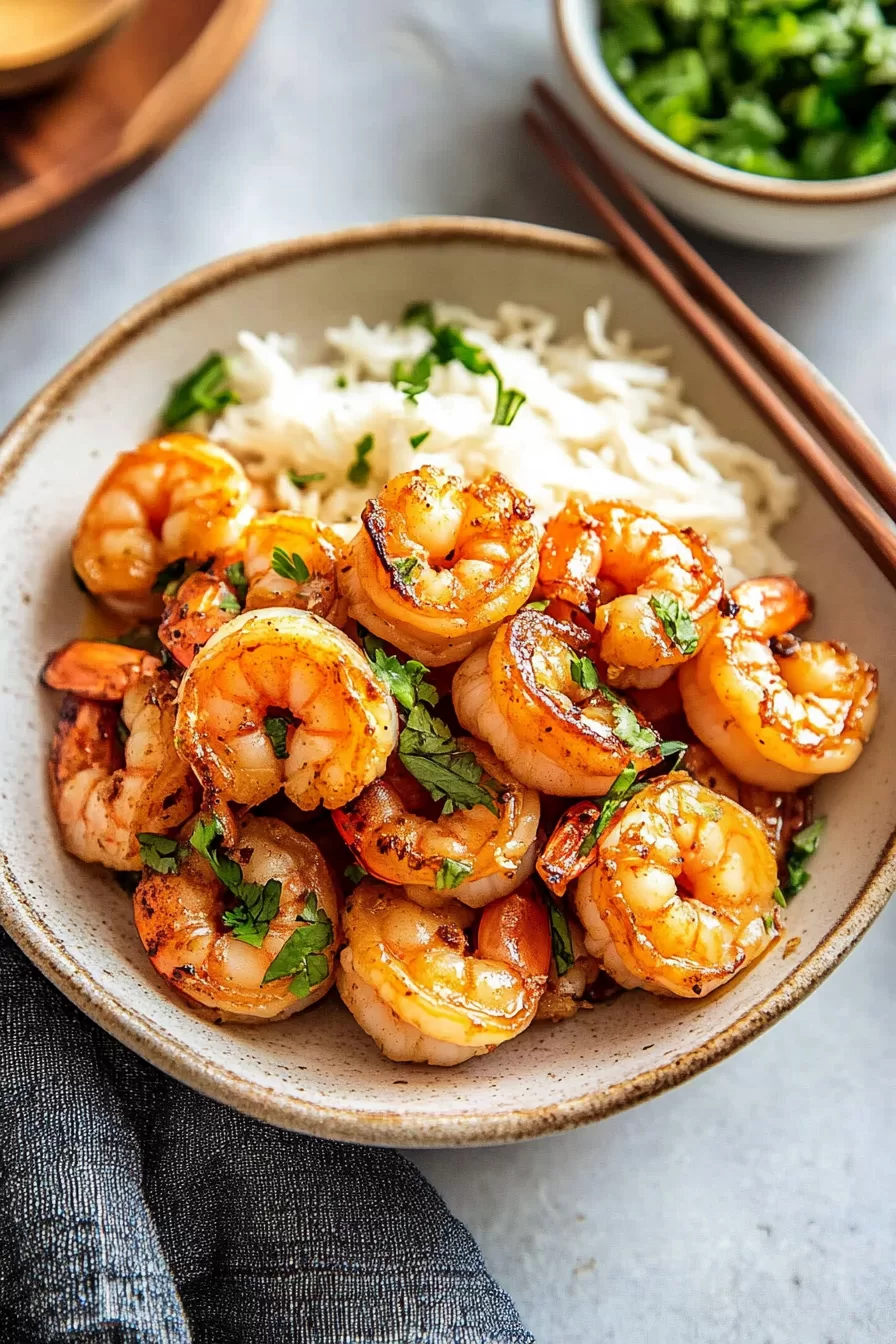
(132, 1209)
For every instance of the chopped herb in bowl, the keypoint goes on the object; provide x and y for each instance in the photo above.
(792, 89)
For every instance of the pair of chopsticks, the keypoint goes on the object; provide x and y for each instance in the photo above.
(818, 405)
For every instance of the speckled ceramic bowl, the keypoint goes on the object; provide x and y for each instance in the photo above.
(317, 1072)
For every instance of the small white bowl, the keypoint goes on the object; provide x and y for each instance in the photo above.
(779, 214)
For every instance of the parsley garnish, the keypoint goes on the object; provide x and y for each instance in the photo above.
(235, 575)
(561, 938)
(779, 898)
(676, 750)
(159, 852)
(624, 787)
(341, 380)
(419, 314)
(169, 579)
(449, 343)
(289, 566)
(427, 749)
(257, 904)
(354, 873)
(676, 621)
(206, 388)
(359, 471)
(803, 844)
(301, 954)
(538, 604)
(301, 479)
(451, 874)
(416, 439)
(277, 723)
(403, 569)
(769, 922)
(508, 403)
(584, 673)
(406, 680)
(230, 602)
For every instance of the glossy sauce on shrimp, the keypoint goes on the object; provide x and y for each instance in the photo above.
(179, 496)
(438, 563)
(416, 981)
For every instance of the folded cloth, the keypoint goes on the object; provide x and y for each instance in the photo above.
(133, 1209)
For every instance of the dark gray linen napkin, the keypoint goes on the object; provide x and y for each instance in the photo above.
(133, 1209)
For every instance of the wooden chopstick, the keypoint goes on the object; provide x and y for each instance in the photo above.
(872, 531)
(815, 401)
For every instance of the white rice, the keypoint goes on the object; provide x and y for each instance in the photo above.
(601, 420)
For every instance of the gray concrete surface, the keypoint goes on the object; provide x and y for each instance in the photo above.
(756, 1205)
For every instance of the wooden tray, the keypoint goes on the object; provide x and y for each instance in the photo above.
(65, 151)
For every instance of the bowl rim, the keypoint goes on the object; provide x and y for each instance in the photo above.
(605, 97)
(183, 1061)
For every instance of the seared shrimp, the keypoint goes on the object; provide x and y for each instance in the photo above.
(565, 994)
(681, 897)
(653, 590)
(304, 576)
(177, 496)
(779, 814)
(778, 711)
(106, 794)
(520, 696)
(475, 854)
(281, 698)
(439, 563)
(180, 918)
(96, 670)
(411, 980)
(202, 605)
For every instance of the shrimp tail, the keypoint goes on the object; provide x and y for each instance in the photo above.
(95, 670)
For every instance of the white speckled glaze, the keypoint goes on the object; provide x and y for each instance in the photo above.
(317, 1072)
(776, 213)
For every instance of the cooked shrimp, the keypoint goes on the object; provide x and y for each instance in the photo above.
(177, 496)
(778, 711)
(439, 563)
(411, 981)
(779, 814)
(314, 554)
(203, 604)
(280, 698)
(96, 670)
(104, 794)
(474, 854)
(520, 697)
(180, 920)
(681, 896)
(565, 994)
(623, 564)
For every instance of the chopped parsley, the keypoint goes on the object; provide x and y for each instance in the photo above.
(451, 874)
(289, 566)
(779, 898)
(403, 569)
(769, 922)
(230, 602)
(359, 471)
(561, 938)
(354, 873)
(277, 723)
(235, 575)
(169, 579)
(802, 846)
(673, 749)
(302, 479)
(159, 852)
(453, 777)
(584, 673)
(301, 956)
(205, 388)
(676, 621)
(624, 787)
(538, 604)
(417, 439)
(448, 344)
(406, 681)
(341, 380)
(257, 904)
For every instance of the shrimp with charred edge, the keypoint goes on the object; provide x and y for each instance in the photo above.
(428, 987)
(438, 563)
